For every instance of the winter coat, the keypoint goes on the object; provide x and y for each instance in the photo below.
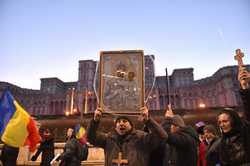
(136, 146)
(47, 149)
(165, 154)
(234, 148)
(162, 156)
(184, 145)
(245, 96)
(9, 155)
(212, 155)
(72, 153)
(158, 156)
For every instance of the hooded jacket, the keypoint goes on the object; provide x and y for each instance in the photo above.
(234, 148)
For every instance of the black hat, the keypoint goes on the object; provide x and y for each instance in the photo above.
(123, 117)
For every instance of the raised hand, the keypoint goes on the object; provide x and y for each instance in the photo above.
(169, 112)
(244, 78)
(144, 114)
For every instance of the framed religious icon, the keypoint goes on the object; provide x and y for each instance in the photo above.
(121, 81)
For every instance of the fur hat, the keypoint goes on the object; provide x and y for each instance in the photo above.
(178, 121)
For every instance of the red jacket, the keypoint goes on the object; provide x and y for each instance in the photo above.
(202, 154)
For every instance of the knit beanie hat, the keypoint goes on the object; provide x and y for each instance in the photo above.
(123, 117)
(178, 121)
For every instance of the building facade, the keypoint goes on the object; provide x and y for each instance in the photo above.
(56, 97)
(219, 90)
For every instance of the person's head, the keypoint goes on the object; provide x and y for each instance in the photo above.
(210, 132)
(131, 76)
(47, 133)
(228, 120)
(224, 122)
(70, 133)
(123, 125)
(176, 123)
(200, 129)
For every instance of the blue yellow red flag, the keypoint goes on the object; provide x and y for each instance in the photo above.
(17, 127)
(80, 133)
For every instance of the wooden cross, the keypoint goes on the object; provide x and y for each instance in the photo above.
(239, 55)
(120, 161)
(245, 82)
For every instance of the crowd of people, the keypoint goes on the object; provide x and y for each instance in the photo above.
(172, 143)
(75, 151)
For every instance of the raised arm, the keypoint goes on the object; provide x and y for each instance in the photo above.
(244, 79)
(39, 150)
(94, 137)
(180, 135)
(156, 134)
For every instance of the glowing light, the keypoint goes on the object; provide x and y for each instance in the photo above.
(74, 110)
(67, 113)
(202, 105)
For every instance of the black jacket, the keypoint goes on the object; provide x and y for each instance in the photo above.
(47, 149)
(159, 156)
(9, 155)
(183, 145)
(212, 155)
(71, 155)
(234, 148)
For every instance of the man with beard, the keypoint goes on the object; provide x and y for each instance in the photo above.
(125, 145)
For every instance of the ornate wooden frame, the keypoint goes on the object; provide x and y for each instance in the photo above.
(121, 81)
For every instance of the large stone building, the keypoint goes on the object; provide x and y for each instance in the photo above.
(219, 90)
(56, 97)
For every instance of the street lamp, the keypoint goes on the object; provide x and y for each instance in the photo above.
(67, 113)
(202, 105)
(74, 110)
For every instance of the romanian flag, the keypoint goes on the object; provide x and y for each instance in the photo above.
(17, 128)
(80, 134)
